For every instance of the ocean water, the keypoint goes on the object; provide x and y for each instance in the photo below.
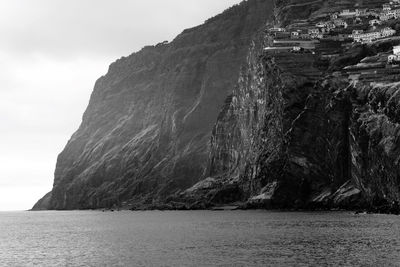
(198, 238)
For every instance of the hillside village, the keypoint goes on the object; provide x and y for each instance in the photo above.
(329, 35)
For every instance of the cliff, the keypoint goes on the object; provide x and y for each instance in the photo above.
(213, 118)
(145, 134)
(308, 130)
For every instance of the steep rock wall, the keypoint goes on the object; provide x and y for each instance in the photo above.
(146, 131)
(375, 143)
(211, 119)
(280, 127)
(298, 132)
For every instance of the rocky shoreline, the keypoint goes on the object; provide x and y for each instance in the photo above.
(389, 209)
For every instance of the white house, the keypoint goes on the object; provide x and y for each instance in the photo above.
(394, 13)
(396, 50)
(393, 58)
(296, 48)
(324, 30)
(384, 17)
(375, 35)
(386, 7)
(390, 14)
(330, 26)
(366, 37)
(374, 22)
(340, 23)
(294, 35)
(386, 32)
(355, 32)
(313, 31)
(277, 29)
(361, 12)
(336, 15)
(348, 13)
(305, 36)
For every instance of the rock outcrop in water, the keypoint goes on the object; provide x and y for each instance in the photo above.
(212, 119)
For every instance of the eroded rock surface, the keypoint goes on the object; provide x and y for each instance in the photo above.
(146, 131)
(211, 120)
(322, 128)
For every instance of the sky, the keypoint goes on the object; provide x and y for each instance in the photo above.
(51, 53)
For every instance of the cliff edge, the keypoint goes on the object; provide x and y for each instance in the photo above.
(298, 113)
(145, 134)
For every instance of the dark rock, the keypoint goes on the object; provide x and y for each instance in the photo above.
(225, 208)
(265, 198)
(281, 131)
(146, 131)
(347, 196)
(43, 203)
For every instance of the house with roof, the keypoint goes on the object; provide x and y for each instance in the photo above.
(348, 13)
(387, 31)
(394, 13)
(334, 15)
(276, 29)
(296, 49)
(321, 24)
(396, 50)
(313, 31)
(384, 17)
(295, 35)
(389, 14)
(340, 23)
(355, 32)
(395, 2)
(330, 26)
(374, 22)
(386, 7)
(395, 57)
(361, 12)
(366, 37)
(304, 36)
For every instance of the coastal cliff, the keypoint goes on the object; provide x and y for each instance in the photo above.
(308, 130)
(214, 118)
(146, 131)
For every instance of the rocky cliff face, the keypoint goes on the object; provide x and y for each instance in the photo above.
(308, 130)
(375, 146)
(212, 119)
(145, 134)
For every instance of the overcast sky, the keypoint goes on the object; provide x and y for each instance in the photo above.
(51, 53)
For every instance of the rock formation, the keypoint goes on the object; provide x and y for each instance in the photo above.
(303, 131)
(212, 119)
(146, 131)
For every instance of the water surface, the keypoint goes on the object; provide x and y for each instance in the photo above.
(198, 238)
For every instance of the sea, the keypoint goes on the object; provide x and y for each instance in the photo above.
(198, 238)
